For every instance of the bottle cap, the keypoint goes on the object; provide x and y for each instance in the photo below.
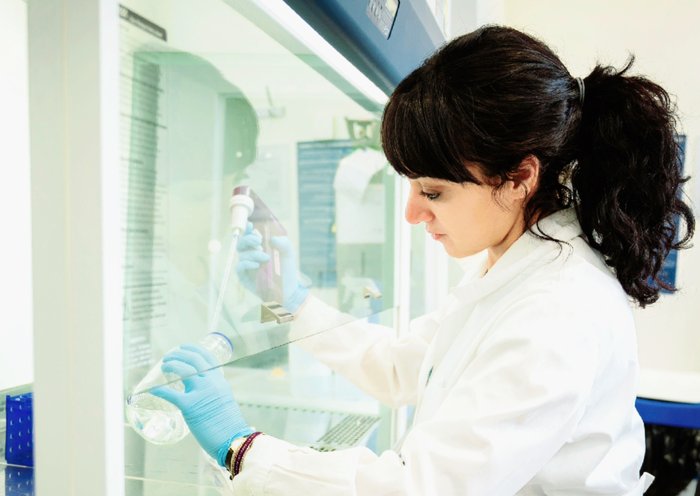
(225, 337)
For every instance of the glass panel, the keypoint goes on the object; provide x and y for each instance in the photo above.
(218, 98)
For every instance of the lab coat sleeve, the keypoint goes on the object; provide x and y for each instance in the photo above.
(369, 355)
(512, 408)
(275, 467)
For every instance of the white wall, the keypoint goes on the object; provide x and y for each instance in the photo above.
(665, 38)
(466, 15)
(15, 248)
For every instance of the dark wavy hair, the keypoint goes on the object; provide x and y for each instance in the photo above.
(607, 147)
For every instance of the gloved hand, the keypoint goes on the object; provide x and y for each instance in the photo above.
(251, 257)
(207, 404)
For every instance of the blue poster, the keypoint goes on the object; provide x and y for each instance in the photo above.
(317, 163)
(669, 269)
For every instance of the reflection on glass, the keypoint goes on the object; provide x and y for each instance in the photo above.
(216, 104)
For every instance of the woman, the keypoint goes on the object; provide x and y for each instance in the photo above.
(524, 380)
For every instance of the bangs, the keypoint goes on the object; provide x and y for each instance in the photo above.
(421, 137)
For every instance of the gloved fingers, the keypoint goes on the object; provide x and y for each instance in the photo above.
(211, 360)
(181, 369)
(258, 256)
(246, 270)
(185, 371)
(177, 398)
(251, 241)
(244, 266)
(249, 228)
(189, 357)
(283, 244)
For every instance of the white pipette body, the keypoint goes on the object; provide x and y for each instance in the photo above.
(241, 206)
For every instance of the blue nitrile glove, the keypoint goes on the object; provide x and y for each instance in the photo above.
(251, 257)
(294, 291)
(207, 403)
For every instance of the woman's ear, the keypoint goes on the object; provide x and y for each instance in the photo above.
(523, 182)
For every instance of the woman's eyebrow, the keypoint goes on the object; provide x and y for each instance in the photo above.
(432, 182)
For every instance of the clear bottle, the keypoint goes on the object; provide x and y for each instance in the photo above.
(157, 420)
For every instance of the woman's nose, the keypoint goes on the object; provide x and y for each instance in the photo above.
(416, 212)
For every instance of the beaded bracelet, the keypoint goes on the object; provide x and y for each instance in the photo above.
(231, 455)
(240, 453)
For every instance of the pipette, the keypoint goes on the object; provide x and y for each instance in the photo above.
(241, 206)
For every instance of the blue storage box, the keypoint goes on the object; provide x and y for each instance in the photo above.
(19, 481)
(686, 415)
(19, 445)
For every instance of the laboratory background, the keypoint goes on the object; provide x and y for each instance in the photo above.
(125, 127)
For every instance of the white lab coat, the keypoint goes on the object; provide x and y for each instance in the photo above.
(524, 383)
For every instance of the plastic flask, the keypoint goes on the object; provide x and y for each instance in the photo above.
(157, 420)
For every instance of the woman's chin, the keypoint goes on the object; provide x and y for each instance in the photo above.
(459, 252)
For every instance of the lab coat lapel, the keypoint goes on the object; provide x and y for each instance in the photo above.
(462, 324)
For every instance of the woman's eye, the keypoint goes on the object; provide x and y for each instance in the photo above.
(430, 196)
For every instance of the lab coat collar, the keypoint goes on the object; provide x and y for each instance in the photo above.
(526, 254)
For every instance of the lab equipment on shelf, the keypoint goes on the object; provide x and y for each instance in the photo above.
(19, 430)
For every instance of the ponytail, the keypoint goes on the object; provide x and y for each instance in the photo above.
(497, 95)
(627, 179)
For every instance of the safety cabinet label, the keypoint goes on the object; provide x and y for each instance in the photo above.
(382, 13)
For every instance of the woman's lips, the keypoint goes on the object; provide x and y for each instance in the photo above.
(436, 236)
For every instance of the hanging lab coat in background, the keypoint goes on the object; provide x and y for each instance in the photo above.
(523, 382)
